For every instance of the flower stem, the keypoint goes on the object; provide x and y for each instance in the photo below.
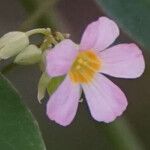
(122, 136)
(39, 31)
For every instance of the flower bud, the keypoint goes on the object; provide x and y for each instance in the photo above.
(30, 55)
(12, 43)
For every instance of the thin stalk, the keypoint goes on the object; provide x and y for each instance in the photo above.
(37, 31)
(122, 136)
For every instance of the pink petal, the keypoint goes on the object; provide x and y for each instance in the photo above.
(123, 60)
(60, 58)
(62, 105)
(106, 101)
(99, 34)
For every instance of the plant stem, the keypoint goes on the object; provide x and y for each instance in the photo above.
(40, 30)
(122, 136)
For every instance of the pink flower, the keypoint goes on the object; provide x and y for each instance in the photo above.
(85, 65)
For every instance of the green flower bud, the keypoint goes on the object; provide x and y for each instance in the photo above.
(12, 43)
(30, 55)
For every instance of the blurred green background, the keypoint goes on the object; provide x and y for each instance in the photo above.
(129, 132)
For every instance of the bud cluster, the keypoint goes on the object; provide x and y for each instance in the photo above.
(17, 44)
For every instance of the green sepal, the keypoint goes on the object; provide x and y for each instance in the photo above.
(42, 86)
(54, 83)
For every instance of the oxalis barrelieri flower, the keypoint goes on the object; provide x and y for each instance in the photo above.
(84, 66)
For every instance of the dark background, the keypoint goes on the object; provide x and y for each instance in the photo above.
(84, 132)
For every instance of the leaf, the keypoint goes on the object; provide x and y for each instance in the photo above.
(54, 83)
(18, 129)
(132, 16)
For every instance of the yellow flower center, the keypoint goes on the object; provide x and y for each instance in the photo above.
(84, 67)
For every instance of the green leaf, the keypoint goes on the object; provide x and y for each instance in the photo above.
(54, 83)
(132, 16)
(18, 129)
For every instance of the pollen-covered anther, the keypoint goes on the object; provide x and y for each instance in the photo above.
(84, 67)
(80, 61)
(78, 67)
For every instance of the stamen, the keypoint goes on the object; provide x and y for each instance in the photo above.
(80, 61)
(84, 67)
(78, 67)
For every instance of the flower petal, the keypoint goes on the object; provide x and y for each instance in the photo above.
(99, 34)
(60, 58)
(62, 105)
(123, 60)
(106, 101)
